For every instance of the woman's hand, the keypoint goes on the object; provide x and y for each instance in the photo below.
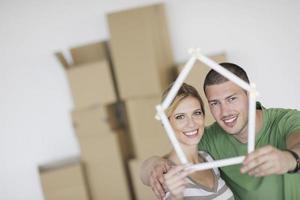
(176, 181)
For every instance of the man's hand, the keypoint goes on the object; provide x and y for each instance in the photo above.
(152, 174)
(267, 161)
(157, 180)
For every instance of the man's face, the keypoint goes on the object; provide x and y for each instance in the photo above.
(229, 106)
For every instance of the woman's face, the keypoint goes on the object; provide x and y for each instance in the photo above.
(187, 120)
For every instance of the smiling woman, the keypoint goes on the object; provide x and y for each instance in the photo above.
(186, 115)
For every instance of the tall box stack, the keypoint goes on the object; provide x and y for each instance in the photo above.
(141, 51)
(196, 79)
(64, 182)
(143, 64)
(92, 86)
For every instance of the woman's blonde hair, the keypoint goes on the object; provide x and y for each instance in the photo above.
(185, 90)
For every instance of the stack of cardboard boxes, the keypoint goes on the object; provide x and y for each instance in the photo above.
(143, 61)
(93, 90)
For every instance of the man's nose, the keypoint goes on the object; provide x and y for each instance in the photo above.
(224, 109)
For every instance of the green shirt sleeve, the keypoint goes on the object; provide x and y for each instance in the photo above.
(287, 121)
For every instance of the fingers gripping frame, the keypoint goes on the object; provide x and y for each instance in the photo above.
(171, 95)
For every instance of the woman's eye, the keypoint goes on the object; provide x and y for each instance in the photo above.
(179, 117)
(198, 112)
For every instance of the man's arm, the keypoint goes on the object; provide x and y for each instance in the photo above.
(269, 160)
(152, 174)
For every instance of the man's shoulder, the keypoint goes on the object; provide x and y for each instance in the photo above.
(277, 113)
(281, 112)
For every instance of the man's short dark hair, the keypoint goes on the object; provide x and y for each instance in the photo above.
(214, 78)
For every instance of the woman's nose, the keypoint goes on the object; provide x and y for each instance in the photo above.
(190, 122)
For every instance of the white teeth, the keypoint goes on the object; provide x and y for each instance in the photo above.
(191, 133)
(230, 120)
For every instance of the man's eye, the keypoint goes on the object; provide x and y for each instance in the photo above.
(213, 103)
(179, 117)
(231, 99)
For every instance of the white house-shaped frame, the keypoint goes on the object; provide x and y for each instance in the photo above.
(172, 93)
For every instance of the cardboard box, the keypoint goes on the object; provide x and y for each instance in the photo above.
(92, 121)
(93, 52)
(64, 183)
(90, 77)
(196, 78)
(148, 135)
(101, 121)
(141, 51)
(104, 167)
(141, 191)
(102, 154)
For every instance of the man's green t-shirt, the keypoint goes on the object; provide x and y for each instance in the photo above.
(278, 124)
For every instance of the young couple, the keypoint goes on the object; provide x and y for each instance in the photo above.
(265, 173)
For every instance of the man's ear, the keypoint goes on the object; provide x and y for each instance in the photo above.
(247, 92)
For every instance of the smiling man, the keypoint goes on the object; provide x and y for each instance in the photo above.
(266, 172)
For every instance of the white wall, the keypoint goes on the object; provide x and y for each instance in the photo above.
(35, 127)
